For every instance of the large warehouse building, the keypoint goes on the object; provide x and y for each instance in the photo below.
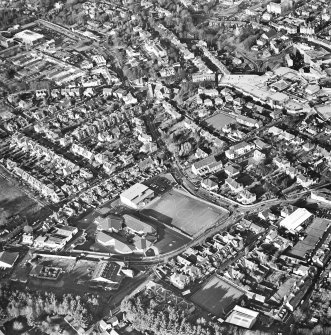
(8, 259)
(137, 196)
(298, 218)
(242, 317)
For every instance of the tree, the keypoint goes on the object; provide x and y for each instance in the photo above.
(299, 315)
(28, 229)
(10, 74)
(3, 217)
(17, 325)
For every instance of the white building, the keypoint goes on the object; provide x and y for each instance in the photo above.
(179, 280)
(136, 196)
(239, 150)
(209, 184)
(242, 317)
(99, 60)
(28, 37)
(294, 221)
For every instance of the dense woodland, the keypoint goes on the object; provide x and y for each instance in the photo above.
(36, 306)
(173, 321)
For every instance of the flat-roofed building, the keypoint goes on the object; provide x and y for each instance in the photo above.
(294, 221)
(66, 231)
(29, 37)
(107, 272)
(8, 259)
(242, 317)
(136, 196)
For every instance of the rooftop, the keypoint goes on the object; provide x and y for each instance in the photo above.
(296, 219)
(8, 258)
(137, 192)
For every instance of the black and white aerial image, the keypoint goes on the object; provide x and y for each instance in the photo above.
(165, 167)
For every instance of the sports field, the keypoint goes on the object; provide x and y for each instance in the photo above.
(190, 215)
(13, 201)
(217, 296)
(218, 121)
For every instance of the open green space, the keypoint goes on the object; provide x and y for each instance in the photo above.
(15, 202)
(190, 215)
(218, 121)
(217, 296)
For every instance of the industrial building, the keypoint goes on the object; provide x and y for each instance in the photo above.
(242, 317)
(107, 273)
(29, 37)
(8, 259)
(137, 196)
(296, 220)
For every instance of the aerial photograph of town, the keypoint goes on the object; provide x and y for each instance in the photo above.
(165, 167)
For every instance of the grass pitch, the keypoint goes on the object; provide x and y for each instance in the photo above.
(13, 201)
(218, 121)
(217, 296)
(190, 215)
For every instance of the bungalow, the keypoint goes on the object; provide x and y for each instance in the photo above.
(234, 185)
(200, 154)
(304, 181)
(258, 155)
(275, 131)
(286, 136)
(238, 101)
(218, 101)
(208, 103)
(282, 164)
(230, 170)
(209, 184)
(291, 171)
